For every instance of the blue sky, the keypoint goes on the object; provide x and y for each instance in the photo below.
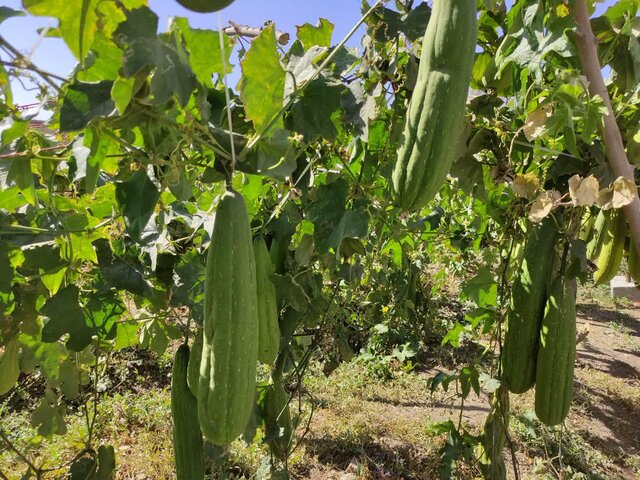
(52, 55)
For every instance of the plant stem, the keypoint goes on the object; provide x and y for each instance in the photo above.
(586, 42)
(26, 64)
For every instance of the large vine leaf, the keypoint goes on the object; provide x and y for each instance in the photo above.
(262, 88)
(319, 35)
(143, 48)
(83, 102)
(77, 21)
(138, 197)
(316, 112)
(66, 317)
(205, 50)
(332, 220)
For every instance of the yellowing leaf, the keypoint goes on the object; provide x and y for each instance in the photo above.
(583, 191)
(543, 205)
(621, 193)
(525, 185)
(536, 120)
(625, 191)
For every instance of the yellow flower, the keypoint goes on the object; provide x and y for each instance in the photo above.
(385, 309)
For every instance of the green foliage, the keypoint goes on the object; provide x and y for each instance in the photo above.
(105, 226)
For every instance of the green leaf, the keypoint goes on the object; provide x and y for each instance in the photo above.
(11, 199)
(122, 92)
(332, 220)
(49, 418)
(53, 279)
(188, 288)
(577, 264)
(262, 89)
(273, 157)
(66, 316)
(83, 102)
(6, 13)
(469, 379)
(290, 292)
(143, 48)
(453, 336)
(319, 35)
(205, 52)
(20, 172)
(83, 469)
(359, 109)
(9, 366)
(137, 197)
(312, 114)
(41, 259)
(126, 336)
(482, 288)
(106, 462)
(118, 273)
(46, 356)
(102, 62)
(78, 21)
(69, 379)
(6, 269)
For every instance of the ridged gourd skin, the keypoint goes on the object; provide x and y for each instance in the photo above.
(268, 328)
(494, 437)
(634, 263)
(598, 235)
(612, 251)
(557, 353)
(277, 416)
(226, 388)
(193, 370)
(436, 111)
(187, 439)
(528, 299)
(205, 6)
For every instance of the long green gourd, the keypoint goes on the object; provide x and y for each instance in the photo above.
(612, 250)
(187, 439)
(436, 110)
(595, 244)
(268, 329)
(226, 387)
(557, 353)
(205, 6)
(193, 370)
(277, 415)
(494, 437)
(528, 298)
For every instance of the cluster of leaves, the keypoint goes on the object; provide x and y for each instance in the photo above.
(105, 216)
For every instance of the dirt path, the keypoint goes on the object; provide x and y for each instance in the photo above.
(365, 429)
